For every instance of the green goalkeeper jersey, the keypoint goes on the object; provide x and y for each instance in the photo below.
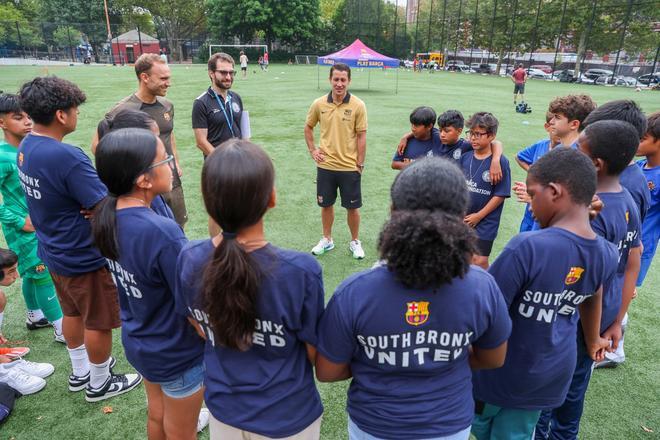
(13, 211)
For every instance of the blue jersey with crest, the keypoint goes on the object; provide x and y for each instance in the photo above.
(408, 349)
(544, 276)
(633, 179)
(619, 224)
(477, 176)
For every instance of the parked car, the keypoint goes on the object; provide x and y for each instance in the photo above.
(460, 68)
(567, 76)
(649, 79)
(538, 74)
(543, 67)
(486, 68)
(607, 79)
(593, 74)
(454, 63)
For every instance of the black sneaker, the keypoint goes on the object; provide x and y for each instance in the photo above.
(115, 385)
(79, 383)
(33, 325)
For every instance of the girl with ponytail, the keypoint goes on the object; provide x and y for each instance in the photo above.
(141, 248)
(409, 330)
(257, 304)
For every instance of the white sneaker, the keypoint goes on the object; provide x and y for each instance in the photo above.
(323, 246)
(59, 337)
(203, 419)
(21, 382)
(356, 248)
(41, 370)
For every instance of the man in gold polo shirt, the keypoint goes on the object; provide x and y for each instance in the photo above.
(339, 157)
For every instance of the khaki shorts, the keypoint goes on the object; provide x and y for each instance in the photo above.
(177, 204)
(92, 296)
(220, 431)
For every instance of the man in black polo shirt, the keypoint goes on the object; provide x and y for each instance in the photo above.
(216, 113)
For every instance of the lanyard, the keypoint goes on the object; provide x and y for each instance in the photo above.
(230, 121)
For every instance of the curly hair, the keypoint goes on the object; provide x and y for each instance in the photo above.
(425, 242)
(485, 120)
(42, 97)
(574, 107)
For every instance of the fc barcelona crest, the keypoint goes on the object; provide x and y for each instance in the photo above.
(417, 313)
(20, 159)
(574, 275)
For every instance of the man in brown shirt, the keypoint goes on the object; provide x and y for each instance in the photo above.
(153, 81)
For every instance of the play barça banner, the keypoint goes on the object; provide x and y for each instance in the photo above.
(359, 55)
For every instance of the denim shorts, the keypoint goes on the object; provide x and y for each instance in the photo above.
(187, 384)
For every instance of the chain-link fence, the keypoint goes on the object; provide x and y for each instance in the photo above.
(88, 43)
(568, 39)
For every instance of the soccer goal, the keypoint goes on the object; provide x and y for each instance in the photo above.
(213, 48)
(307, 59)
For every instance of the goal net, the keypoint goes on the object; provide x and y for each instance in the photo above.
(307, 59)
(235, 49)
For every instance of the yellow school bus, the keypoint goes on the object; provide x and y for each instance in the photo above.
(436, 57)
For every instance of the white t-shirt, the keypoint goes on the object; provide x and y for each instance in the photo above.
(244, 60)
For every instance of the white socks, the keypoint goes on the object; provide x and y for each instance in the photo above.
(58, 326)
(99, 373)
(35, 315)
(79, 360)
(2, 315)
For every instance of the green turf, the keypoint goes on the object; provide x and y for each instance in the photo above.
(619, 402)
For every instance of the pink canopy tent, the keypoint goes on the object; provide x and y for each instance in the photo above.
(359, 55)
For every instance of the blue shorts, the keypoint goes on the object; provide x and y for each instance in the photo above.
(187, 384)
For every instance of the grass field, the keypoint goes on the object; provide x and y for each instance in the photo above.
(620, 402)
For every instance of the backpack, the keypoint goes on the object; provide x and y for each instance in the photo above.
(523, 107)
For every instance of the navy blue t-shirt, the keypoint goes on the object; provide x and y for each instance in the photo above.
(415, 149)
(408, 349)
(59, 180)
(617, 223)
(454, 151)
(633, 179)
(544, 276)
(268, 389)
(158, 342)
(477, 177)
(160, 207)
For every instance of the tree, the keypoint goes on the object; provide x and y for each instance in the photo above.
(176, 20)
(294, 22)
(66, 36)
(16, 29)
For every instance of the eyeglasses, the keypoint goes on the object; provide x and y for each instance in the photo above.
(477, 134)
(226, 72)
(169, 160)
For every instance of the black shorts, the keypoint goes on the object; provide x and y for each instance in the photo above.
(484, 247)
(244, 68)
(519, 88)
(348, 182)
